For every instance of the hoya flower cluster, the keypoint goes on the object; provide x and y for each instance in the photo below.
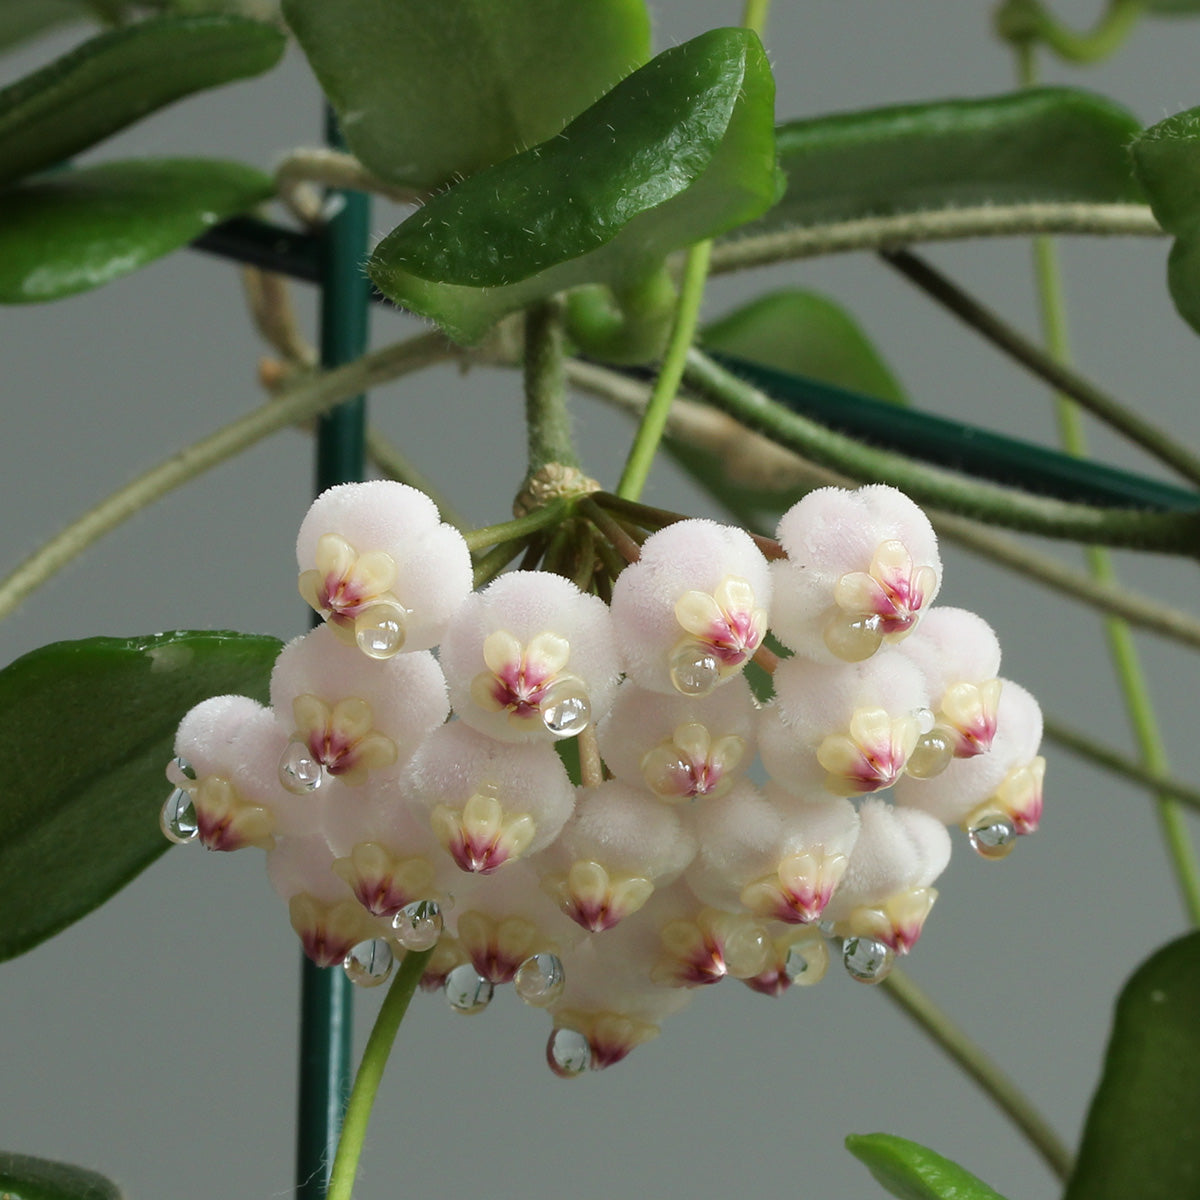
(407, 801)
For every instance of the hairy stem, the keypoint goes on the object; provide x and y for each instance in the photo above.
(1177, 533)
(953, 224)
(547, 422)
(1046, 365)
(654, 419)
(960, 1048)
(300, 402)
(1025, 22)
(299, 175)
(370, 1072)
(519, 528)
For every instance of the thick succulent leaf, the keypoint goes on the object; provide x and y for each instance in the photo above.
(428, 91)
(26, 1178)
(681, 150)
(914, 1172)
(1166, 158)
(805, 333)
(1047, 144)
(120, 76)
(1142, 1134)
(90, 728)
(72, 230)
(24, 19)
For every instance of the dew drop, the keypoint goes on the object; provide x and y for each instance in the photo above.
(992, 836)
(807, 961)
(379, 630)
(178, 818)
(931, 755)
(369, 963)
(540, 979)
(299, 772)
(854, 639)
(867, 960)
(467, 991)
(566, 711)
(695, 670)
(418, 925)
(568, 1053)
(184, 767)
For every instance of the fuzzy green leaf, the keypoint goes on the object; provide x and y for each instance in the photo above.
(1167, 160)
(1041, 144)
(804, 333)
(681, 150)
(77, 229)
(90, 728)
(120, 76)
(911, 1171)
(26, 1178)
(428, 91)
(1142, 1134)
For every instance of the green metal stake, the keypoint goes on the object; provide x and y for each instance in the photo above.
(325, 993)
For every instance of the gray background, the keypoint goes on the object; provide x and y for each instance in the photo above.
(154, 1041)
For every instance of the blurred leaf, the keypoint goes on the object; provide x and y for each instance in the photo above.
(428, 91)
(1166, 158)
(679, 151)
(914, 1172)
(1172, 7)
(1142, 1134)
(90, 728)
(120, 76)
(72, 230)
(21, 20)
(1051, 144)
(26, 1178)
(804, 333)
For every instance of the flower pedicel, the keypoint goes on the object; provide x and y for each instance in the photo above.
(390, 829)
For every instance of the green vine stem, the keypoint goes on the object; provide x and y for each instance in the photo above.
(918, 1006)
(548, 424)
(1025, 22)
(1046, 365)
(370, 1072)
(749, 456)
(489, 565)
(301, 169)
(299, 402)
(519, 528)
(884, 233)
(1096, 752)
(654, 419)
(1175, 532)
(1131, 677)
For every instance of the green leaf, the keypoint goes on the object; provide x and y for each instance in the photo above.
(804, 333)
(1166, 158)
(1164, 8)
(90, 728)
(914, 1172)
(26, 1178)
(1142, 1134)
(118, 77)
(681, 150)
(1047, 144)
(428, 91)
(77, 229)
(21, 20)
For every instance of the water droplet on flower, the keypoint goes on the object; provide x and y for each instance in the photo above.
(992, 836)
(184, 767)
(695, 670)
(418, 925)
(807, 961)
(467, 991)
(540, 979)
(566, 709)
(379, 630)
(568, 1053)
(931, 755)
(369, 963)
(299, 772)
(178, 818)
(867, 960)
(924, 718)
